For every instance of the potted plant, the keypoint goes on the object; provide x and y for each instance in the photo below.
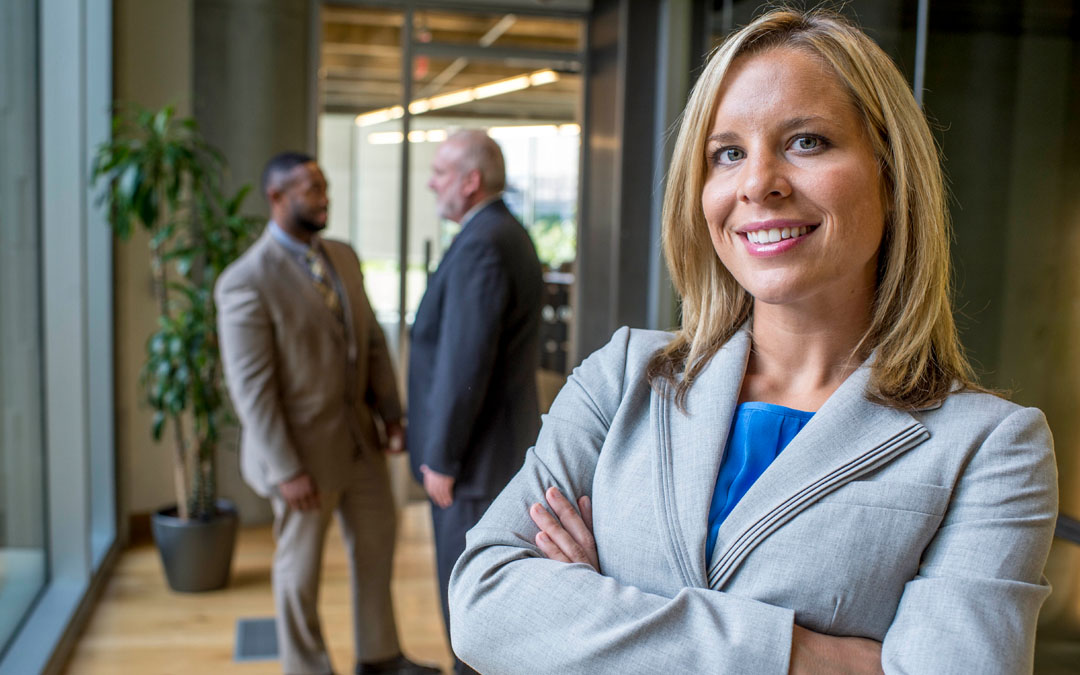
(161, 175)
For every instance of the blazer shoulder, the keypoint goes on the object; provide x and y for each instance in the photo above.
(340, 247)
(624, 359)
(247, 268)
(976, 408)
(642, 343)
(1011, 432)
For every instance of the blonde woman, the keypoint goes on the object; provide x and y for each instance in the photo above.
(805, 478)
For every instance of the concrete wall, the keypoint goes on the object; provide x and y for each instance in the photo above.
(152, 66)
(1003, 86)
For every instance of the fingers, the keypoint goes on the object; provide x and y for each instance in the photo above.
(585, 507)
(549, 548)
(572, 550)
(439, 488)
(573, 522)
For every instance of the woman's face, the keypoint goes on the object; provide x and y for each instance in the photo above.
(792, 197)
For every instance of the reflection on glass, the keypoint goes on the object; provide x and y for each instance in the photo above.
(22, 510)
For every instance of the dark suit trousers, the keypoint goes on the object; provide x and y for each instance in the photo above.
(450, 526)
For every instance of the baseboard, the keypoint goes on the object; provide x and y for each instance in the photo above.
(139, 529)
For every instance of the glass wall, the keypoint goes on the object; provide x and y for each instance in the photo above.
(515, 75)
(57, 457)
(22, 485)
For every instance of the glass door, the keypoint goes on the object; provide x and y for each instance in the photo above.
(517, 76)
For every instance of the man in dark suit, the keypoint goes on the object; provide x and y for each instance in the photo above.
(309, 374)
(473, 408)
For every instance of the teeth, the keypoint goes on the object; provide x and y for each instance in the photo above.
(771, 236)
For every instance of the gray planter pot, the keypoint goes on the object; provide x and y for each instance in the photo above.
(197, 554)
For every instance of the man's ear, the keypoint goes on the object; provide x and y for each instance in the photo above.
(472, 182)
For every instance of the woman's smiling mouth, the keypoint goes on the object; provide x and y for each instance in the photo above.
(775, 234)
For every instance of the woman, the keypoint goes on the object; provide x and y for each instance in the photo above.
(905, 524)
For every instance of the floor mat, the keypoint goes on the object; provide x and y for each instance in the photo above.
(256, 640)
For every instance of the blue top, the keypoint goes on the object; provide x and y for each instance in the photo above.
(759, 432)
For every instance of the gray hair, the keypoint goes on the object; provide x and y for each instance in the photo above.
(479, 152)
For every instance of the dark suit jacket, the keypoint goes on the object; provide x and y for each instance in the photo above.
(473, 357)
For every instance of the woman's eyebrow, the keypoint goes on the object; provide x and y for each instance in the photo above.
(723, 138)
(730, 137)
(796, 122)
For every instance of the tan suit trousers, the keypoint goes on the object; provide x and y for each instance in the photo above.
(365, 513)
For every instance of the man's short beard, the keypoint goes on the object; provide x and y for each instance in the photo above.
(309, 225)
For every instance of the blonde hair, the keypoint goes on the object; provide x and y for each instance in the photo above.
(918, 356)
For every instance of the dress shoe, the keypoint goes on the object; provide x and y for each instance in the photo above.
(399, 665)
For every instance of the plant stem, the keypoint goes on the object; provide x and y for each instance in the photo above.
(179, 468)
(179, 472)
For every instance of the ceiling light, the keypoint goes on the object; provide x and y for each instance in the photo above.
(543, 77)
(379, 116)
(532, 131)
(460, 96)
(453, 98)
(385, 137)
(502, 87)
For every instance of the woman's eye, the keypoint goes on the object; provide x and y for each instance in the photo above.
(729, 155)
(806, 143)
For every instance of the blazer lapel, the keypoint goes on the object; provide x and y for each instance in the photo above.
(847, 438)
(690, 446)
(298, 279)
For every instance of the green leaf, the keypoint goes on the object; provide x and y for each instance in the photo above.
(158, 425)
(157, 344)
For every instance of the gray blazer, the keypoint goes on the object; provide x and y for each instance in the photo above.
(927, 530)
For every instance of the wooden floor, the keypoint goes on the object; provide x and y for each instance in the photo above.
(140, 626)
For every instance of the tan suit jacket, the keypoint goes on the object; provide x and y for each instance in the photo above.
(305, 385)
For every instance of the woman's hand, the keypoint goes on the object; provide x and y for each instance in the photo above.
(819, 654)
(567, 536)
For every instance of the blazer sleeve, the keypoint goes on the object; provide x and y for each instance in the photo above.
(967, 611)
(382, 391)
(470, 325)
(246, 338)
(510, 606)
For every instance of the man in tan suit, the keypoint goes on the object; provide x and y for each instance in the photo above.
(309, 374)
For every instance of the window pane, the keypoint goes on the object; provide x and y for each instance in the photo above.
(22, 511)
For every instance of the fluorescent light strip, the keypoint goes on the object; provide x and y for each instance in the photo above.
(415, 136)
(460, 97)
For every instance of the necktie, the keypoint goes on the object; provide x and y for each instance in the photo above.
(322, 282)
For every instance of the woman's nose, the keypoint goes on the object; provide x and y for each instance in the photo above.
(763, 177)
